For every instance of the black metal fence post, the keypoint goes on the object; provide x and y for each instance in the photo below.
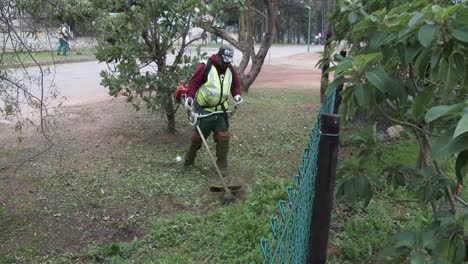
(324, 189)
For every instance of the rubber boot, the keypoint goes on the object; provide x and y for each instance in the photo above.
(222, 149)
(195, 145)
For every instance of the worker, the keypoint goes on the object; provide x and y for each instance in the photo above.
(64, 38)
(204, 37)
(208, 91)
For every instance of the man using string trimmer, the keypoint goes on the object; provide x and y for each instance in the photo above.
(207, 95)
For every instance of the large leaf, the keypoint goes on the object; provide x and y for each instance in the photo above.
(462, 16)
(415, 19)
(363, 60)
(461, 33)
(377, 40)
(443, 110)
(435, 57)
(462, 126)
(416, 257)
(444, 145)
(426, 34)
(346, 64)
(459, 61)
(352, 17)
(450, 81)
(378, 78)
(422, 62)
(461, 166)
(412, 51)
(334, 84)
(405, 239)
(421, 101)
(359, 94)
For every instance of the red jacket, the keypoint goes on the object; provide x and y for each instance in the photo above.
(196, 80)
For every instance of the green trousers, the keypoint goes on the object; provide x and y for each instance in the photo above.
(62, 46)
(213, 123)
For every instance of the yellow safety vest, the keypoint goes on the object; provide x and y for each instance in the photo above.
(214, 93)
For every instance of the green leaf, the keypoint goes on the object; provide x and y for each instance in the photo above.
(334, 84)
(415, 19)
(443, 110)
(421, 101)
(412, 51)
(404, 239)
(462, 126)
(461, 166)
(349, 191)
(459, 249)
(462, 16)
(416, 257)
(346, 64)
(459, 61)
(450, 81)
(352, 17)
(445, 145)
(461, 33)
(435, 57)
(359, 94)
(364, 25)
(379, 78)
(360, 184)
(377, 40)
(368, 58)
(422, 61)
(426, 34)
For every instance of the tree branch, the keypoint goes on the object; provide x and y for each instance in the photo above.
(413, 126)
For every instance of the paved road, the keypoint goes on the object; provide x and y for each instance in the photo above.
(79, 82)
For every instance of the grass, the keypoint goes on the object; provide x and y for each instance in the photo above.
(136, 182)
(163, 214)
(11, 58)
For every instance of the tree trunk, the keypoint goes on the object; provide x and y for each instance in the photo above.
(170, 114)
(423, 156)
(325, 76)
(246, 44)
(328, 38)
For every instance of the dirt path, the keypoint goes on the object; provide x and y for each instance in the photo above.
(90, 138)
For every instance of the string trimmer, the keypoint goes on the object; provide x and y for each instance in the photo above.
(228, 197)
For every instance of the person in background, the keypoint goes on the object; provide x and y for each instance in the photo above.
(204, 37)
(64, 38)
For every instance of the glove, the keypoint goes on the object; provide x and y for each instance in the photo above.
(238, 99)
(188, 103)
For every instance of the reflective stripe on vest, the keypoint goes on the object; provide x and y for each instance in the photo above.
(212, 94)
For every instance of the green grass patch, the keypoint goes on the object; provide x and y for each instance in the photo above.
(15, 59)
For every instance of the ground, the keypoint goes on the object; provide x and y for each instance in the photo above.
(95, 142)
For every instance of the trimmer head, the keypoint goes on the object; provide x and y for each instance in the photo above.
(228, 198)
(220, 188)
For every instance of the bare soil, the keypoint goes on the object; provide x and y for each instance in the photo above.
(86, 138)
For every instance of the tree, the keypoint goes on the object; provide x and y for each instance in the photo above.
(246, 40)
(292, 20)
(79, 14)
(408, 63)
(140, 38)
(19, 26)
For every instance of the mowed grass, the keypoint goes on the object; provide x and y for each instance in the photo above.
(112, 191)
(122, 182)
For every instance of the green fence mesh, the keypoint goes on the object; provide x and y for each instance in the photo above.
(290, 228)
